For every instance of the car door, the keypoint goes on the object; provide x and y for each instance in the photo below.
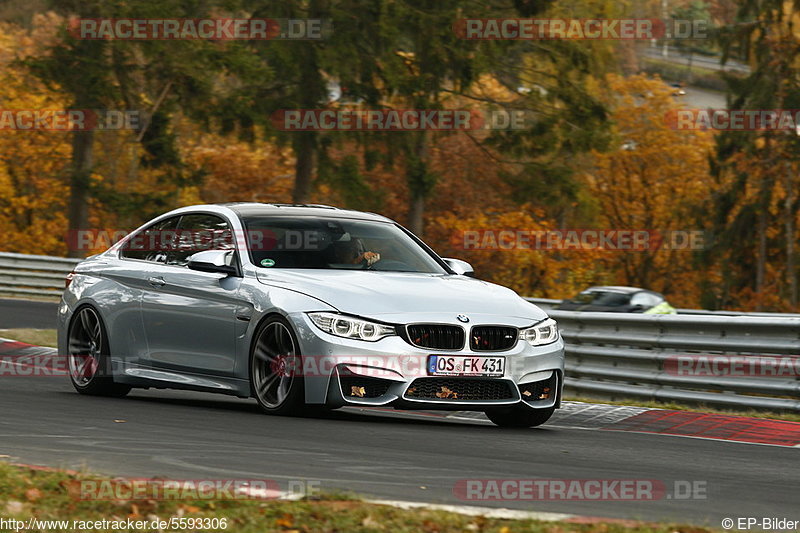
(189, 316)
(130, 271)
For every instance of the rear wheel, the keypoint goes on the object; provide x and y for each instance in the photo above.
(275, 362)
(520, 417)
(89, 356)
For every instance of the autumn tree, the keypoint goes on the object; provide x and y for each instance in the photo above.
(32, 189)
(153, 77)
(656, 179)
(756, 204)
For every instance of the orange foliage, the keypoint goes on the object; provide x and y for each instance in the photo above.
(32, 192)
(237, 171)
(654, 181)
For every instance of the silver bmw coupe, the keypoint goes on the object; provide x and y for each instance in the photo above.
(305, 307)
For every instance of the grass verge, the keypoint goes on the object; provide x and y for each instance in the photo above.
(30, 297)
(37, 337)
(49, 495)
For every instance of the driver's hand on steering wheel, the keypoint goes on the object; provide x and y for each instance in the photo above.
(370, 257)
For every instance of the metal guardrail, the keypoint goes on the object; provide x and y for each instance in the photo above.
(37, 275)
(618, 356)
(679, 58)
(549, 303)
(545, 303)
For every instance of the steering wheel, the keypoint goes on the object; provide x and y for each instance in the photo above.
(391, 264)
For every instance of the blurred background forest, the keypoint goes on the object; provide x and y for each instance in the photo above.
(599, 153)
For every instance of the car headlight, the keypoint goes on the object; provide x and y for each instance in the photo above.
(542, 333)
(351, 328)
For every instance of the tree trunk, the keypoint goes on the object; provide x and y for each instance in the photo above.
(789, 214)
(416, 215)
(419, 182)
(762, 256)
(80, 173)
(313, 93)
(305, 149)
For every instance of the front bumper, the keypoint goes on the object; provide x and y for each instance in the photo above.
(392, 372)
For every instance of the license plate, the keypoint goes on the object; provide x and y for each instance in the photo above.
(465, 365)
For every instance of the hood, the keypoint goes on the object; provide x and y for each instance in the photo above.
(407, 297)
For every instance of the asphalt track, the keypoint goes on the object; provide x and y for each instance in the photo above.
(27, 314)
(388, 455)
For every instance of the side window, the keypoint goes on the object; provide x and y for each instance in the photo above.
(199, 232)
(152, 243)
(645, 299)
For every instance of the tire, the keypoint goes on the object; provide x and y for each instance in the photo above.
(520, 417)
(275, 381)
(89, 356)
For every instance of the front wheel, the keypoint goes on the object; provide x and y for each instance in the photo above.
(89, 356)
(276, 381)
(520, 417)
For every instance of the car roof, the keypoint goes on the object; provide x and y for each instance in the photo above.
(615, 288)
(252, 209)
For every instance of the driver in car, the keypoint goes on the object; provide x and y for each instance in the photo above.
(354, 252)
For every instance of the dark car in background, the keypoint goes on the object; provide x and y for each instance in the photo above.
(617, 299)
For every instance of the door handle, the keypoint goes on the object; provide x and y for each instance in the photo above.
(157, 281)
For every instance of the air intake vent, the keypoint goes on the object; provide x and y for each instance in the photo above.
(436, 336)
(460, 389)
(493, 338)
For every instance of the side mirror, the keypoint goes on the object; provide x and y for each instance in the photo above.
(460, 267)
(214, 261)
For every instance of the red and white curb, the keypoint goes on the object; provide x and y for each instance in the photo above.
(742, 429)
(22, 359)
(10, 347)
(712, 427)
(605, 417)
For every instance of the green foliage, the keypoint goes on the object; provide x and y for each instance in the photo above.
(756, 169)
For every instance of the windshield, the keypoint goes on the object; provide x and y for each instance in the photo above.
(334, 243)
(602, 298)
